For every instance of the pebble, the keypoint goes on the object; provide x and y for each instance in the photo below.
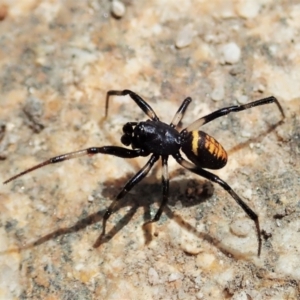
(248, 8)
(153, 276)
(218, 93)
(205, 261)
(231, 53)
(245, 133)
(185, 36)
(240, 296)
(240, 227)
(118, 8)
(91, 198)
(259, 87)
(247, 194)
(235, 70)
(242, 99)
(175, 276)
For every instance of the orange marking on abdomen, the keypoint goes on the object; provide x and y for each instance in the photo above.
(222, 153)
(215, 148)
(195, 139)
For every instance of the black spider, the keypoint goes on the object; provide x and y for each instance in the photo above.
(161, 140)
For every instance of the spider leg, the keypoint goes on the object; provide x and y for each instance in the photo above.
(165, 184)
(214, 178)
(236, 108)
(128, 186)
(180, 113)
(145, 107)
(111, 150)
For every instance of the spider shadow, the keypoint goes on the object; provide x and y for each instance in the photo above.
(256, 139)
(189, 192)
(145, 194)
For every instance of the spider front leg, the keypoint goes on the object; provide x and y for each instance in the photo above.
(214, 178)
(180, 112)
(235, 108)
(110, 150)
(145, 107)
(129, 185)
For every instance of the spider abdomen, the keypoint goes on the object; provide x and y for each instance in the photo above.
(204, 151)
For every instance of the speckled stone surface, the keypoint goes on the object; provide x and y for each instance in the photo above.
(58, 59)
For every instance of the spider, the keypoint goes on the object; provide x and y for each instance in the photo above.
(162, 140)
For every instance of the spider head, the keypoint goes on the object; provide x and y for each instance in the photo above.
(136, 134)
(126, 138)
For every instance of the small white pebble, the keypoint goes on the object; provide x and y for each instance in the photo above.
(226, 9)
(41, 208)
(231, 53)
(245, 133)
(273, 49)
(240, 227)
(79, 267)
(91, 198)
(247, 194)
(185, 36)
(242, 99)
(153, 276)
(248, 8)
(240, 296)
(181, 294)
(218, 93)
(205, 261)
(259, 87)
(175, 276)
(200, 295)
(118, 8)
(191, 248)
(198, 280)
(10, 126)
